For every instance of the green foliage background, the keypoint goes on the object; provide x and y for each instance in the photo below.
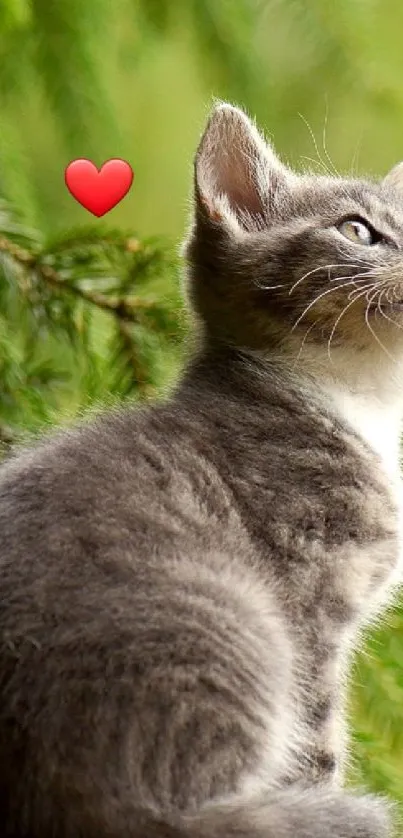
(90, 311)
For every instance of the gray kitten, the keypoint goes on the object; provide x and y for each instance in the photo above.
(181, 584)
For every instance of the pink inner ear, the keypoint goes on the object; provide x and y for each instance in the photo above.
(234, 161)
(238, 179)
(232, 167)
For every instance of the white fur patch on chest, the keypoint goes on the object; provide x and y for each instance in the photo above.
(380, 426)
(377, 424)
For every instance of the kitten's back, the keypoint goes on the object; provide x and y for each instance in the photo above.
(145, 662)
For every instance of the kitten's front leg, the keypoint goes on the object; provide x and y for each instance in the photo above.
(326, 756)
(322, 757)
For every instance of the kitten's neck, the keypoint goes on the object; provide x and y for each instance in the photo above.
(379, 424)
(367, 393)
(369, 398)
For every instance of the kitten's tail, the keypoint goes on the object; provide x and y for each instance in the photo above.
(292, 813)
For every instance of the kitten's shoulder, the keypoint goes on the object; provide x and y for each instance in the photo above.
(94, 459)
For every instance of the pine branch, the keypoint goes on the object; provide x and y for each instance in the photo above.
(124, 309)
(132, 310)
(128, 349)
(47, 290)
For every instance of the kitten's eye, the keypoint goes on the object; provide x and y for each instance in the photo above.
(357, 231)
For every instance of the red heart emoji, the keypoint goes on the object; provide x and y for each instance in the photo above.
(98, 190)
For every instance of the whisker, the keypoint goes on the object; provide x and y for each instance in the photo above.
(345, 309)
(345, 251)
(356, 276)
(368, 288)
(327, 170)
(354, 162)
(316, 162)
(381, 311)
(328, 158)
(378, 307)
(376, 286)
(397, 293)
(324, 293)
(322, 268)
(267, 287)
(303, 342)
(372, 331)
(362, 276)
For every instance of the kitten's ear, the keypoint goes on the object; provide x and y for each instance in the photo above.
(238, 177)
(395, 177)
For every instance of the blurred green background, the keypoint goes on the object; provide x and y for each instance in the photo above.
(132, 79)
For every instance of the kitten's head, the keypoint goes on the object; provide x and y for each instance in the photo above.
(279, 261)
